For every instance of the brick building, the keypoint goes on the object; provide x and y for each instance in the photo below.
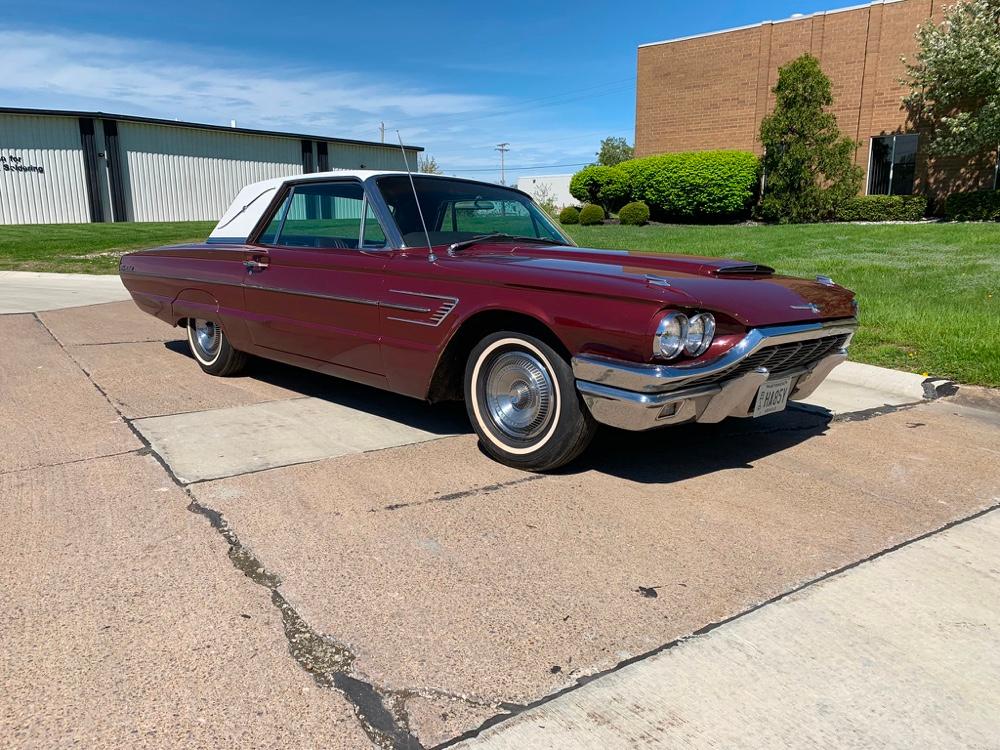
(712, 90)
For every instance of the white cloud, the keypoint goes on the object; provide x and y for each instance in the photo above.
(65, 70)
(196, 84)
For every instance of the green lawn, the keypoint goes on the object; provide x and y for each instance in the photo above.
(930, 293)
(87, 248)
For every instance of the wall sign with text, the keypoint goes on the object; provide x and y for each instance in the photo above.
(11, 163)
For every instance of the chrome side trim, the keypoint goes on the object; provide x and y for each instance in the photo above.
(445, 307)
(652, 378)
(405, 308)
(316, 295)
(171, 277)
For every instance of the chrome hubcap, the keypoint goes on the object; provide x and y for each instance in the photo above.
(519, 395)
(207, 336)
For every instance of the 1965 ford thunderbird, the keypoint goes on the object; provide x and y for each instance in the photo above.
(473, 293)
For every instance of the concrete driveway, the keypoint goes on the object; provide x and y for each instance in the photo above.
(288, 560)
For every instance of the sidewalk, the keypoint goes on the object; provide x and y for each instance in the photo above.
(28, 291)
(899, 652)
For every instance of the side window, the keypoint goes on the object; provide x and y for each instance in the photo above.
(323, 215)
(374, 237)
(271, 231)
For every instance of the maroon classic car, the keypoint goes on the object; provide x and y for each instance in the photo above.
(473, 293)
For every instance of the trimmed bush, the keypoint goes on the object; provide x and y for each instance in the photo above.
(692, 186)
(569, 215)
(591, 214)
(697, 186)
(978, 205)
(883, 208)
(635, 213)
(586, 184)
(604, 186)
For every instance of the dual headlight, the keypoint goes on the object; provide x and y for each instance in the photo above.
(678, 333)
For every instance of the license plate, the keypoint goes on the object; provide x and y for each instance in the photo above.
(772, 397)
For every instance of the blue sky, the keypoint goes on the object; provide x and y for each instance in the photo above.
(550, 78)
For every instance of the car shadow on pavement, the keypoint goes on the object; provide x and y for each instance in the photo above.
(685, 451)
(660, 456)
(438, 419)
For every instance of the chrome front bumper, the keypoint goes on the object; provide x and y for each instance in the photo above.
(642, 396)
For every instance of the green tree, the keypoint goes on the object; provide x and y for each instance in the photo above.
(955, 80)
(614, 151)
(808, 167)
(428, 165)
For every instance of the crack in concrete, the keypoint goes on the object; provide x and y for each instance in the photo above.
(68, 462)
(329, 663)
(381, 713)
(119, 343)
(513, 710)
(487, 489)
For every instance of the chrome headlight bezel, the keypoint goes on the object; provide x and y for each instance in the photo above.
(705, 323)
(671, 333)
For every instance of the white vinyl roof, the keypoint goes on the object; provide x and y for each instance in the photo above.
(246, 209)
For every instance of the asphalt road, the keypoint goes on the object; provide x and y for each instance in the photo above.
(287, 560)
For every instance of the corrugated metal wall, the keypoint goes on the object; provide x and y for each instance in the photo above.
(183, 174)
(57, 193)
(168, 173)
(356, 156)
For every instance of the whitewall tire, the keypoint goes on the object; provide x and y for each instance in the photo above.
(211, 349)
(522, 401)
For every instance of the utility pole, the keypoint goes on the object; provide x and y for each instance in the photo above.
(503, 148)
(381, 131)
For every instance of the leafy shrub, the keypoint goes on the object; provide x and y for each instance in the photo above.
(978, 205)
(692, 186)
(569, 215)
(697, 185)
(604, 186)
(586, 184)
(635, 213)
(591, 214)
(883, 208)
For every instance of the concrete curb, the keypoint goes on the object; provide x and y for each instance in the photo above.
(854, 387)
(906, 385)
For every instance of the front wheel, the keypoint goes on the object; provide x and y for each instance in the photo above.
(522, 402)
(212, 349)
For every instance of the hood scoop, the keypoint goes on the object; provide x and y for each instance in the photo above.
(744, 269)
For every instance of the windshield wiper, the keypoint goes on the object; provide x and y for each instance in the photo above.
(454, 247)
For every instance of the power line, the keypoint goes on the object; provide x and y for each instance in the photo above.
(564, 98)
(519, 169)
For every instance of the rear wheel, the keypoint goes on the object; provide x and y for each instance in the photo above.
(212, 349)
(522, 402)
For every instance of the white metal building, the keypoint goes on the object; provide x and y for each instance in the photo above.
(64, 167)
(555, 184)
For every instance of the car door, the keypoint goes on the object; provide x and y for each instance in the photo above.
(313, 283)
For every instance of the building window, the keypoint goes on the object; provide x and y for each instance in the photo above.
(892, 165)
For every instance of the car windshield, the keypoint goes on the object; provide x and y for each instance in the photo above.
(458, 210)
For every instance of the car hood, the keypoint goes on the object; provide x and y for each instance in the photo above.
(749, 293)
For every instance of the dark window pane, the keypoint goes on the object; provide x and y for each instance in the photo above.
(878, 174)
(904, 164)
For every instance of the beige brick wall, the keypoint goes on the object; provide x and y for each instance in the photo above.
(713, 91)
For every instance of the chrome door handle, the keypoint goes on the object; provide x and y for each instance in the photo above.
(254, 265)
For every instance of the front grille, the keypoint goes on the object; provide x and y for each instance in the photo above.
(781, 358)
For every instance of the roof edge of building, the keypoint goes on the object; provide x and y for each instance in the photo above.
(191, 125)
(802, 17)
